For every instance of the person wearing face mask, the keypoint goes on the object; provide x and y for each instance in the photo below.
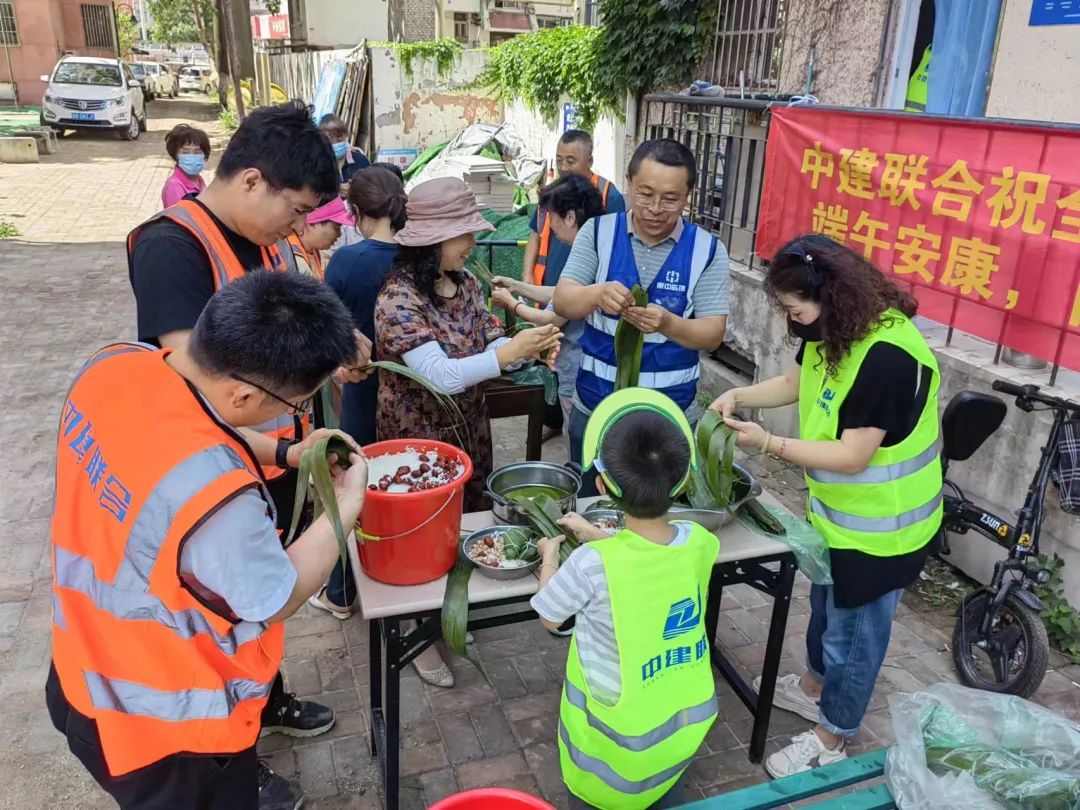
(190, 149)
(866, 385)
(349, 159)
(323, 229)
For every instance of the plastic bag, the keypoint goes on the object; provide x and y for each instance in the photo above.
(809, 547)
(960, 747)
(537, 374)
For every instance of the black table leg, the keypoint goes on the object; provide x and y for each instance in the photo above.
(712, 605)
(534, 432)
(392, 711)
(375, 683)
(774, 649)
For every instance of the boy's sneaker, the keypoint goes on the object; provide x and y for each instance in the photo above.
(296, 718)
(790, 697)
(804, 749)
(276, 792)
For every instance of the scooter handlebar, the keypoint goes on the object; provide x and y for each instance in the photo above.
(1012, 389)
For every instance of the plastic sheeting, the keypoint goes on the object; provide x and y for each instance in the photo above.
(964, 748)
(525, 168)
(809, 547)
(959, 73)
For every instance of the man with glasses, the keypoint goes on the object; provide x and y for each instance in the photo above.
(276, 169)
(171, 586)
(683, 267)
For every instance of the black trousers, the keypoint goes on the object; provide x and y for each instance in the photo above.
(177, 782)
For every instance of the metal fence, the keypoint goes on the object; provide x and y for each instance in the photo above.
(727, 136)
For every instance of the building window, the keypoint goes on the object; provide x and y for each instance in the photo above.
(552, 22)
(97, 26)
(746, 49)
(461, 27)
(9, 31)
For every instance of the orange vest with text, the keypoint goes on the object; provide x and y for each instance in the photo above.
(226, 267)
(546, 235)
(162, 668)
(311, 258)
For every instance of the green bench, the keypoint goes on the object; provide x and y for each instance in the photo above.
(813, 783)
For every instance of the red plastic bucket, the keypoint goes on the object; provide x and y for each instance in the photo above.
(491, 799)
(412, 537)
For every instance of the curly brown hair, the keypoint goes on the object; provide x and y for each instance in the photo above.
(853, 294)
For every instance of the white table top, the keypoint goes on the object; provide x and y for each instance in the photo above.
(377, 600)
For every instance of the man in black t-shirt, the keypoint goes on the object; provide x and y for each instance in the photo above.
(277, 167)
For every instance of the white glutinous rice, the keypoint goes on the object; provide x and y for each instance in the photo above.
(417, 467)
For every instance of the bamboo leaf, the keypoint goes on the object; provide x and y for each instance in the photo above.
(715, 477)
(455, 607)
(538, 517)
(445, 399)
(629, 343)
(759, 516)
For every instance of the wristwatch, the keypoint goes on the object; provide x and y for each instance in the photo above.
(281, 455)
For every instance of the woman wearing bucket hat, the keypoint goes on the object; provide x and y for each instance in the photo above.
(323, 229)
(430, 315)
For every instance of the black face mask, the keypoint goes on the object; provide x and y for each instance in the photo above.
(805, 331)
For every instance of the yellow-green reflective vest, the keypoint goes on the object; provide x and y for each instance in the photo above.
(916, 88)
(892, 507)
(626, 756)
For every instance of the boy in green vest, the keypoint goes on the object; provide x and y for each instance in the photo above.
(638, 697)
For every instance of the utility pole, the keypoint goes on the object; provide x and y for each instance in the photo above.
(233, 51)
(143, 30)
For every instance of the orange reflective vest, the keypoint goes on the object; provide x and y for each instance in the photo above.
(546, 235)
(278, 256)
(311, 258)
(159, 667)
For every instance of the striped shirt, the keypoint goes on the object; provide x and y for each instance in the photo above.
(579, 588)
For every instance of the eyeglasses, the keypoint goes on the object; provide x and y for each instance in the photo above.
(295, 408)
(647, 200)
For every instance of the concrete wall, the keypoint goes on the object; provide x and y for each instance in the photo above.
(848, 37)
(425, 109)
(998, 474)
(542, 136)
(334, 24)
(1036, 70)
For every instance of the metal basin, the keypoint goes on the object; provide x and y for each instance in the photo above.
(712, 519)
(530, 473)
(614, 515)
(491, 571)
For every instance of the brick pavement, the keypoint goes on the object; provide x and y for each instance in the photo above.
(65, 293)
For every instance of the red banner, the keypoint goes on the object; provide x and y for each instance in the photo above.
(980, 218)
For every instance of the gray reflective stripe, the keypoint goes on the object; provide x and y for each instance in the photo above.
(857, 523)
(641, 742)
(179, 485)
(58, 612)
(606, 774)
(285, 255)
(76, 573)
(914, 106)
(883, 473)
(187, 704)
(181, 215)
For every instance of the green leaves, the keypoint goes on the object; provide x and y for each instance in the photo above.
(543, 514)
(629, 342)
(445, 52)
(713, 480)
(315, 467)
(455, 606)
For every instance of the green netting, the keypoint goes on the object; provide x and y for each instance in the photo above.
(504, 260)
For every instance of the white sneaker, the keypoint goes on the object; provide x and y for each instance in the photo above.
(804, 749)
(790, 697)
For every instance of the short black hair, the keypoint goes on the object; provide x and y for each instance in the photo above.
(391, 167)
(578, 136)
(667, 152)
(284, 144)
(333, 125)
(573, 193)
(285, 331)
(647, 455)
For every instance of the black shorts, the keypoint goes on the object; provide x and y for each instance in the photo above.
(177, 782)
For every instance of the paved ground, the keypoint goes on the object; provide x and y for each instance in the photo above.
(65, 293)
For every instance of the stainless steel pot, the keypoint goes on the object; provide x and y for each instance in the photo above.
(490, 571)
(713, 519)
(530, 473)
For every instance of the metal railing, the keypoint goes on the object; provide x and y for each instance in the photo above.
(727, 136)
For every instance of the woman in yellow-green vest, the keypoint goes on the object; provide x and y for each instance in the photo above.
(638, 697)
(866, 385)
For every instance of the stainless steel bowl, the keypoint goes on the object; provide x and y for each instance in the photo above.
(613, 515)
(491, 571)
(530, 473)
(713, 519)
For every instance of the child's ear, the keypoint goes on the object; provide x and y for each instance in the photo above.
(601, 487)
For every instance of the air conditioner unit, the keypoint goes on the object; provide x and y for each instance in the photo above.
(475, 19)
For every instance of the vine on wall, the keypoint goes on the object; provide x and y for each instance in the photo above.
(445, 52)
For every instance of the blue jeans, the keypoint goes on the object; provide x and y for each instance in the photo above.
(576, 431)
(341, 587)
(845, 648)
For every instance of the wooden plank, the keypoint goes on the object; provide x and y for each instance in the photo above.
(801, 785)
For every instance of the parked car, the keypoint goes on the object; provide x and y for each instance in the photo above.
(159, 80)
(198, 79)
(86, 92)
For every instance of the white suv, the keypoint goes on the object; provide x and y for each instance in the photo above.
(90, 93)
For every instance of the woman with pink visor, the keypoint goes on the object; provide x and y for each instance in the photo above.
(322, 230)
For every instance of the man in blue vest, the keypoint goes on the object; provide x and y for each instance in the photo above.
(683, 267)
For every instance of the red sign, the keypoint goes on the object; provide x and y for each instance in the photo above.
(981, 219)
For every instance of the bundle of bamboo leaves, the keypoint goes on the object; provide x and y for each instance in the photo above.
(629, 342)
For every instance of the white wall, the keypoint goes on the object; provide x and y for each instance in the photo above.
(1037, 69)
(426, 109)
(338, 24)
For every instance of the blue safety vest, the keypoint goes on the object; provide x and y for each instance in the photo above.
(665, 365)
